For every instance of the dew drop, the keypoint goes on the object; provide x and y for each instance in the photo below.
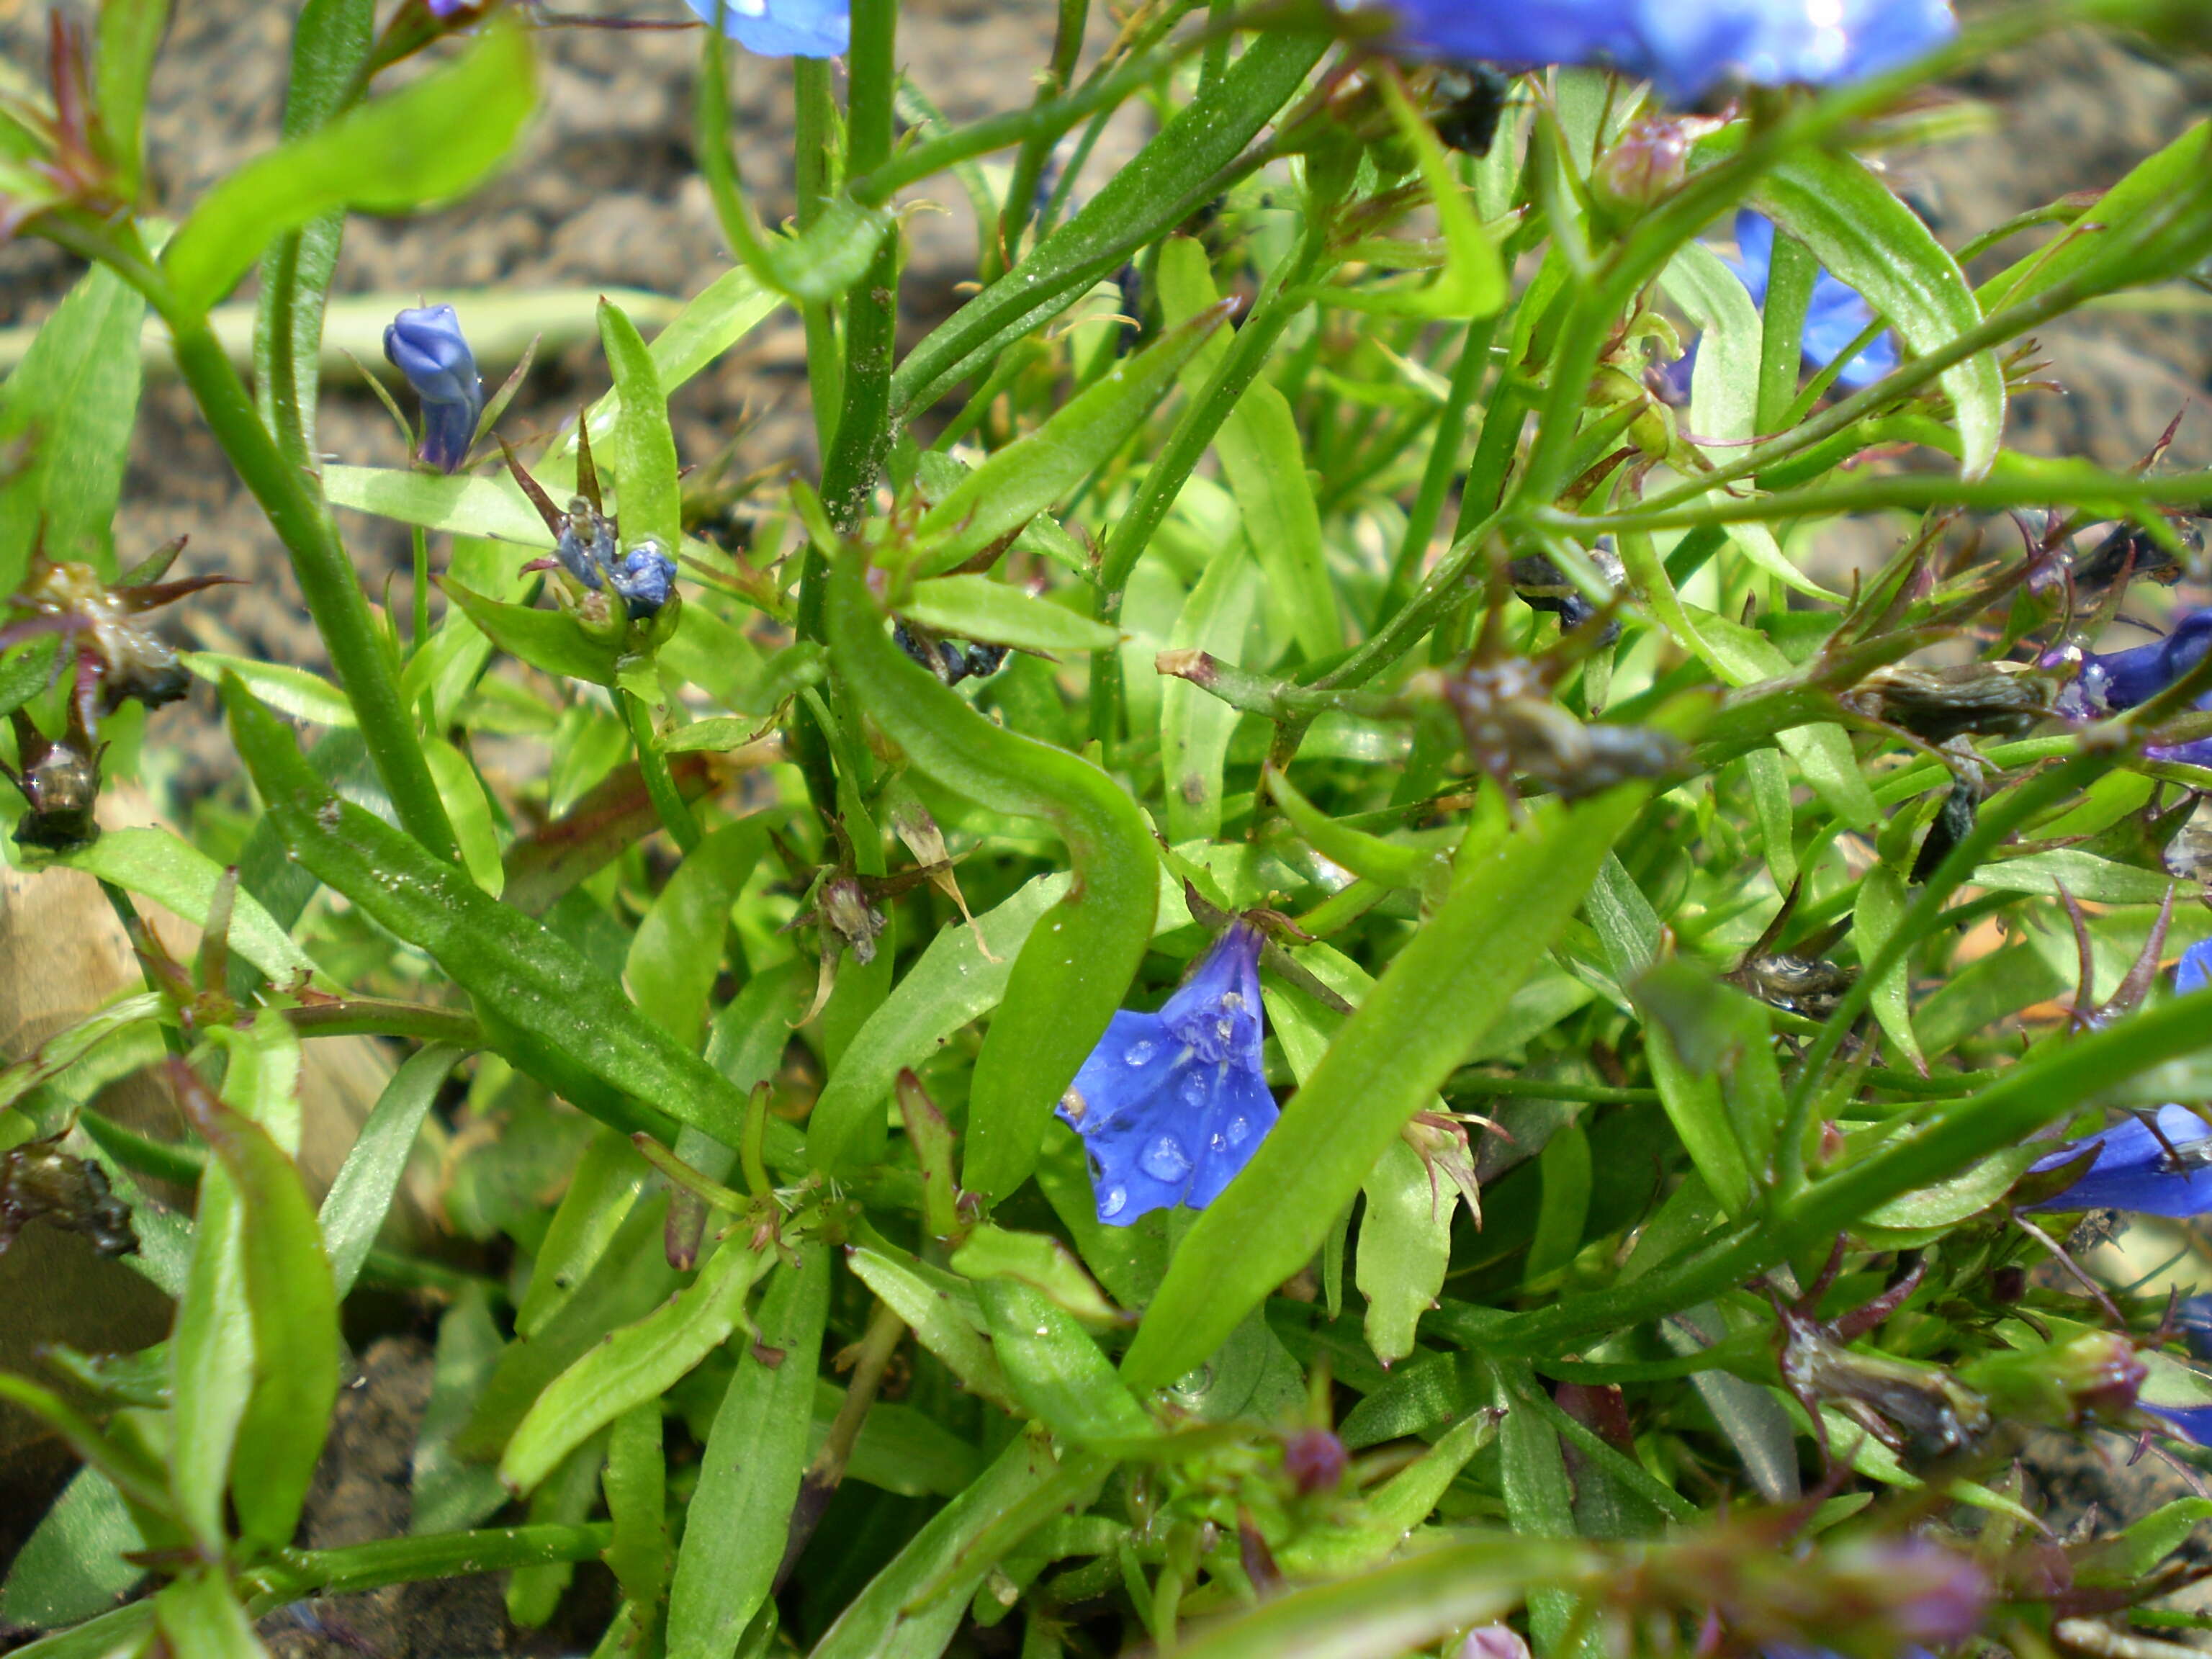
(1240, 1130)
(1115, 1201)
(1194, 1090)
(1216, 1142)
(1139, 1051)
(1164, 1159)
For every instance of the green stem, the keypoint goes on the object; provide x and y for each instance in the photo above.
(1037, 148)
(814, 157)
(380, 1017)
(855, 459)
(298, 1573)
(1443, 462)
(659, 784)
(326, 576)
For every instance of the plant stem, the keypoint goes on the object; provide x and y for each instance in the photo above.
(855, 458)
(1444, 461)
(1029, 166)
(327, 579)
(659, 784)
(297, 1573)
(814, 169)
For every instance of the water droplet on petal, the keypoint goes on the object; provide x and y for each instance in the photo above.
(1139, 1051)
(1115, 1201)
(1164, 1159)
(1194, 1090)
(1216, 1142)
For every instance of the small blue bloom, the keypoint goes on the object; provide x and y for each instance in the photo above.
(2192, 1317)
(1837, 316)
(781, 28)
(1171, 1105)
(2195, 1421)
(2115, 680)
(2134, 1170)
(1685, 47)
(425, 344)
(643, 578)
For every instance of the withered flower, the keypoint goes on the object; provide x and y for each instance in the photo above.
(39, 1181)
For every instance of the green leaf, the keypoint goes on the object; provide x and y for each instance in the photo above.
(1392, 1510)
(448, 1493)
(1405, 1247)
(2150, 187)
(677, 952)
(942, 1310)
(157, 865)
(1564, 1167)
(1724, 387)
(1872, 241)
(75, 399)
(1472, 283)
(1264, 459)
(635, 1481)
(644, 446)
(354, 1208)
(200, 1619)
(1879, 915)
(294, 1302)
(1028, 475)
(129, 39)
(71, 1566)
(1539, 1502)
(210, 1359)
(994, 613)
(545, 1006)
(952, 985)
(1194, 727)
(911, 1608)
(469, 809)
(551, 640)
(2083, 874)
(288, 691)
(1076, 964)
(638, 1363)
(1041, 1263)
(429, 143)
(1686, 1035)
(739, 1519)
(1056, 1370)
(132, 1472)
(1453, 980)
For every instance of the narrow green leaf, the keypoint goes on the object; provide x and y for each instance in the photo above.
(1040, 1261)
(179, 877)
(71, 1566)
(1264, 460)
(1879, 913)
(551, 640)
(1563, 1216)
(1405, 1247)
(677, 952)
(943, 1313)
(210, 1359)
(355, 1207)
(635, 1481)
(200, 1619)
(1871, 240)
(427, 143)
(1427, 1013)
(75, 398)
(739, 1519)
(449, 1494)
(288, 691)
(609, 1179)
(638, 1363)
(1539, 1502)
(1056, 1370)
(1194, 727)
(644, 446)
(911, 1608)
(469, 810)
(293, 1302)
(993, 613)
(545, 1006)
(131, 1472)
(129, 37)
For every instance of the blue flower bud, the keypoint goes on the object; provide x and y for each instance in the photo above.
(1171, 1105)
(1686, 46)
(426, 345)
(643, 578)
(781, 28)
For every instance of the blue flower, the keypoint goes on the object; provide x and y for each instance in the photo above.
(1685, 47)
(1837, 316)
(643, 578)
(2115, 680)
(781, 28)
(426, 345)
(2134, 1170)
(1171, 1105)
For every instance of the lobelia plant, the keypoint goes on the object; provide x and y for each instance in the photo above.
(1283, 974)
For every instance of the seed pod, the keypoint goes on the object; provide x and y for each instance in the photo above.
(1981, 699)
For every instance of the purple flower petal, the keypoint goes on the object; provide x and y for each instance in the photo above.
(781, 28)
(425, 343)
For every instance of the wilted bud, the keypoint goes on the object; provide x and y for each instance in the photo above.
(1315, 1460)
(60, 783)
(1468, 121)
(41, 1183)
(1983, 699)
(643, 578)
(425, 343)
(1796, 985)
(845, 912)
(586, 544)
(2098, 1371)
